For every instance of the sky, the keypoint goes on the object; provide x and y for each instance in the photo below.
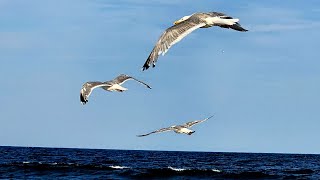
(262, 86)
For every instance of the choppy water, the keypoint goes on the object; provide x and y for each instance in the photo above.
(24, 162)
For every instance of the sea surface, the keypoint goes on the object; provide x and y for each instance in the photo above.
(67, 163)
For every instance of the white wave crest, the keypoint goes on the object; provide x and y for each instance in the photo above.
(216, 170)
(176, 169)
(119, 167)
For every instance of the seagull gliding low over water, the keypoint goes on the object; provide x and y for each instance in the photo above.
(181, 129)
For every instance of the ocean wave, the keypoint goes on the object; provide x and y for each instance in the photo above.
(56, 167)
(182, 169)
(180, 172)
(249, 175)
(59, 165)
(141, 172)
(176, 169)
(216, 170)
(299, 171)
(119, 167)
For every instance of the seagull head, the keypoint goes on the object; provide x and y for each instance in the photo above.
(181, 20)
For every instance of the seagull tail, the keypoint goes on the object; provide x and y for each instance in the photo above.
(236, 26)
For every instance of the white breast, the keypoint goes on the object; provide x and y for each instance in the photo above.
(184, 130)
(116, 87)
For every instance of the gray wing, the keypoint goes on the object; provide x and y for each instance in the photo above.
(123, 78)
(87, 89)
(215, 14)
(157, 131)
(170, 37)
(191, 123)
(141, 82)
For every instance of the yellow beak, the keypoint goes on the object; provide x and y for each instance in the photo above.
(176, 22)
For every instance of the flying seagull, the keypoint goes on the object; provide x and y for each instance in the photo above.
(113, 85)
(185, 26)
(181, 129)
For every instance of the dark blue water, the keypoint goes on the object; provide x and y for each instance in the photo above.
(26, 162)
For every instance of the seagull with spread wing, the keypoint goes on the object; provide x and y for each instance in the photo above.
(181, 129)
(113, 85)
(185, 26)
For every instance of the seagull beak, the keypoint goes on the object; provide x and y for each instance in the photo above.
(176, 22)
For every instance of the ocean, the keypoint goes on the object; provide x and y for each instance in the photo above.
(68, 163)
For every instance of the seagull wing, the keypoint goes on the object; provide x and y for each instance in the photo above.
(191, 123)
(217, 14)
(141, 82)
(87, 88)
(157, 131)
(170, 37)
(123, 78)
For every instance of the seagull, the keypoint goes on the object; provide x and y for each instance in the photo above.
(185, 26)
(113, 85)
(181, 129)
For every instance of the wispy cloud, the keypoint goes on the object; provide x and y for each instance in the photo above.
(271, 18)
(284, 27)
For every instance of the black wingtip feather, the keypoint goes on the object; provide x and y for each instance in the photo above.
(238, 27)
(146, 64)
(145, 67)
(83, 101)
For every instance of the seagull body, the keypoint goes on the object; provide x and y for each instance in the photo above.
(113, 85)
(185, 26)
(180, 129)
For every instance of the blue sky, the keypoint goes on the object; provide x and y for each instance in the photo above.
(262, 85)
